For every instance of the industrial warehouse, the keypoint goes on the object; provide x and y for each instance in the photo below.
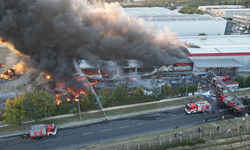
(182, 24)
(223, 54)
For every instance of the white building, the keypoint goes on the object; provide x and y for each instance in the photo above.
(227, 47)
(183, 25)
(209, 7)
(229, 13)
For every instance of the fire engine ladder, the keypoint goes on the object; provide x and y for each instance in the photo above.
(225, 87)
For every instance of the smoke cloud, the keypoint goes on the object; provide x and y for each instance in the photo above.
(53, 32)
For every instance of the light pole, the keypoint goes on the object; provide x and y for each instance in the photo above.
(186, 92)
(79, 110)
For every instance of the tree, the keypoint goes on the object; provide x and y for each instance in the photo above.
(85, 103)
(192, 88)
(63, 100)
(120, 93)
(92, 99)
(139, 93)
(14, 112)
(157, 91)
(202, 34)
(44, 102)
(166, 89)
(247, 84)
(182, 90)
(106, 94)
(28, 106)
(241, 80)
(102, 101)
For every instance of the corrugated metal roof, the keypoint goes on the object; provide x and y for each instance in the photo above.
(219, 50)
(149, 11)
(202, 50)
(218, 41)
(216, 63)
(163, 14)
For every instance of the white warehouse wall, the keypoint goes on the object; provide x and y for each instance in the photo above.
(244, 60)
(193, 28)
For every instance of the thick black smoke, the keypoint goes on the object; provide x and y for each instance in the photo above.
(53, 32)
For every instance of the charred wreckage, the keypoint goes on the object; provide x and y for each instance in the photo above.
(132, 75)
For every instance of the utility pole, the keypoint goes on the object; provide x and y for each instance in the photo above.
(79, 110)
(186, 92)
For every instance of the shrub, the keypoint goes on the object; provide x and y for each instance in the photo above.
(64, 108)
(202, 34)
(139, 93)
(157, 91)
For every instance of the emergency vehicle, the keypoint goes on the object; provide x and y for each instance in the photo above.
(233, 102)
(41, 130)
(222, 78)
(201, 106)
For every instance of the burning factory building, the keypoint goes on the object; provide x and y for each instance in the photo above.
(136, 73)
(116, 49)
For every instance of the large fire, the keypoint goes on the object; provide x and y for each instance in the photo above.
(11, 47)
(12, 74)
(72, 94)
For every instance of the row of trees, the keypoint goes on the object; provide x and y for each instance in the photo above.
(190, 10)
(40, 104)
(36, 105)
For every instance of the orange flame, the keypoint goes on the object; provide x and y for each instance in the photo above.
(7, 75)
(10, 46)
(61, 87)
(58, 102)
(48, 77)
(20, 68)
(2, 65)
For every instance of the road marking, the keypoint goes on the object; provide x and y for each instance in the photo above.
(162, 119)
(177, 117)
(105, 130)
(87, 133)
(124, 127)
(140, 124)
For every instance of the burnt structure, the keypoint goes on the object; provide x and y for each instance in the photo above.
(136, 73)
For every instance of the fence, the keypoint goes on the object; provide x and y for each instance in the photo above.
(187, 136)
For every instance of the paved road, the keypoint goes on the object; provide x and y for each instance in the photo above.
(117, 129)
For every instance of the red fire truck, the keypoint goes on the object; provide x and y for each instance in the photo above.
(41, 130)
(233, 102)
(201, 106)
(222, 78)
